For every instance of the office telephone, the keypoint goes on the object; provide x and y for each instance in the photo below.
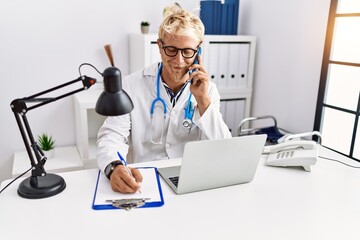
(293, 153)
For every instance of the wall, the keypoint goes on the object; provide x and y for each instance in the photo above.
(291, 36)
(43, 42)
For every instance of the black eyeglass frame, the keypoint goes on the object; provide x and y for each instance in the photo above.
(177, 50)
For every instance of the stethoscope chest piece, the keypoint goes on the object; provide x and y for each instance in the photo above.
(187, 123)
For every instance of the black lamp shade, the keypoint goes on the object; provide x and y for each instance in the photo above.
(113, 101)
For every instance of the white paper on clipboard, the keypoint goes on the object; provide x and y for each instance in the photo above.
(150, 188)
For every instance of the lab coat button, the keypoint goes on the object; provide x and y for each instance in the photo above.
(167, 145)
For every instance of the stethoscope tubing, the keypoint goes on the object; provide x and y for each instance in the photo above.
(188, 110)
(158, 98)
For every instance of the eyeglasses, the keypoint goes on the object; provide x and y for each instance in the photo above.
(172, 51)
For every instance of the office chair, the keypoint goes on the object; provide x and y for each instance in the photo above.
(272, 131)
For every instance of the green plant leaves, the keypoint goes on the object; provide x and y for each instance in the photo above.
(46, 142)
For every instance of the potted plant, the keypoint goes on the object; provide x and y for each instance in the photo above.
(47, 144)
(145, 27)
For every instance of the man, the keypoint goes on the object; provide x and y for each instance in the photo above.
(181, 86)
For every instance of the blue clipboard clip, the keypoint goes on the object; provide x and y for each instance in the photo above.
(129, 203)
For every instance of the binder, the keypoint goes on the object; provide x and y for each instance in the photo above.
(233, 16)
(150, 188)
(213, 64)
(224, 20)
(236, 16)
(217, 11)
(206, 16)
(243, 65)
(235, 72)
(223, 65)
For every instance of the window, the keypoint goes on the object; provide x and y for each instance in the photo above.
(338, 106)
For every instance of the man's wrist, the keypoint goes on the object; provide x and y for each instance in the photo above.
(110, 168)
(203, 105)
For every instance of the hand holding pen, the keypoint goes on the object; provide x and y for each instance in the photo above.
(125, 179)
(124, 163)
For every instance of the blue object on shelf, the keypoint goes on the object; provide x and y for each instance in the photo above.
(220, 18)
(233, 10)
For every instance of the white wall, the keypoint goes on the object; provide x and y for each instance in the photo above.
(42, 43)
(291, 37)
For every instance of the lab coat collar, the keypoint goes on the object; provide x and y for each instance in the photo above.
(151, 71)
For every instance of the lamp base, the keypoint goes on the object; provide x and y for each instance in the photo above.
(41, 187)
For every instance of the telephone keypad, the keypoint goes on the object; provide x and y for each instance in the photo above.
(285, 154)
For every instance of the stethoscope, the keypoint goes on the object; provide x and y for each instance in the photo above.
(189, 111)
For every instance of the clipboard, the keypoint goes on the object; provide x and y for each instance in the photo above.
(150, 190)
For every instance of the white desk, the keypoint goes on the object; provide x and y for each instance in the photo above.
(281, 203)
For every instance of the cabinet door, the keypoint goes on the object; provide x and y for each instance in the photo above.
(233, 112)
(143, 51)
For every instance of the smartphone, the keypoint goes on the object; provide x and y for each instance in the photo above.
(196, 61)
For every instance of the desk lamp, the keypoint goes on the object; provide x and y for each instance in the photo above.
(113, 101)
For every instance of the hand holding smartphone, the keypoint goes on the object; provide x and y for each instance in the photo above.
(196, 61)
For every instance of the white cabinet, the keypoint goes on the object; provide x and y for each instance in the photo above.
(143, 51)
(87, 124)
(229, 61)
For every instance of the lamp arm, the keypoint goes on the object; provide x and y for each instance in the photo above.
(31, 146)
(19, 105)
(20, 109)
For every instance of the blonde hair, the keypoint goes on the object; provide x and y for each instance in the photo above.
(182, 22)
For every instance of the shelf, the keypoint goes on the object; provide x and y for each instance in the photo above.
(65, 159)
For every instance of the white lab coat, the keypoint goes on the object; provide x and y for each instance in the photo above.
(129, 134)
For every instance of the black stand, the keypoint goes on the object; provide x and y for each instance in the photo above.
(40, 184)
(35, 187)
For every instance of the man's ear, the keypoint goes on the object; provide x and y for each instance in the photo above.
(159, 44)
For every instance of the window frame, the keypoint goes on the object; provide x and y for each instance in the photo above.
(324, 76)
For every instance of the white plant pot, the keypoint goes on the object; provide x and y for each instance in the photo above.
(50, 154)
(145, 29)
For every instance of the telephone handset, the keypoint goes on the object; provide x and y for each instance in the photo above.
(293, 153)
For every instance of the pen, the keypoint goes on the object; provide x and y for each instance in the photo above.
(123, 161)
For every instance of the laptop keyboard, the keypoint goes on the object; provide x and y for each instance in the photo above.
(174, 180)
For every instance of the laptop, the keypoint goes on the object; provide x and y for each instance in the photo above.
(209, 164)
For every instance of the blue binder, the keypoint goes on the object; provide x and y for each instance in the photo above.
(217, 6)
(233, 16)
(206, 16)
(224, 23)
(220, 18)
(150, 189)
